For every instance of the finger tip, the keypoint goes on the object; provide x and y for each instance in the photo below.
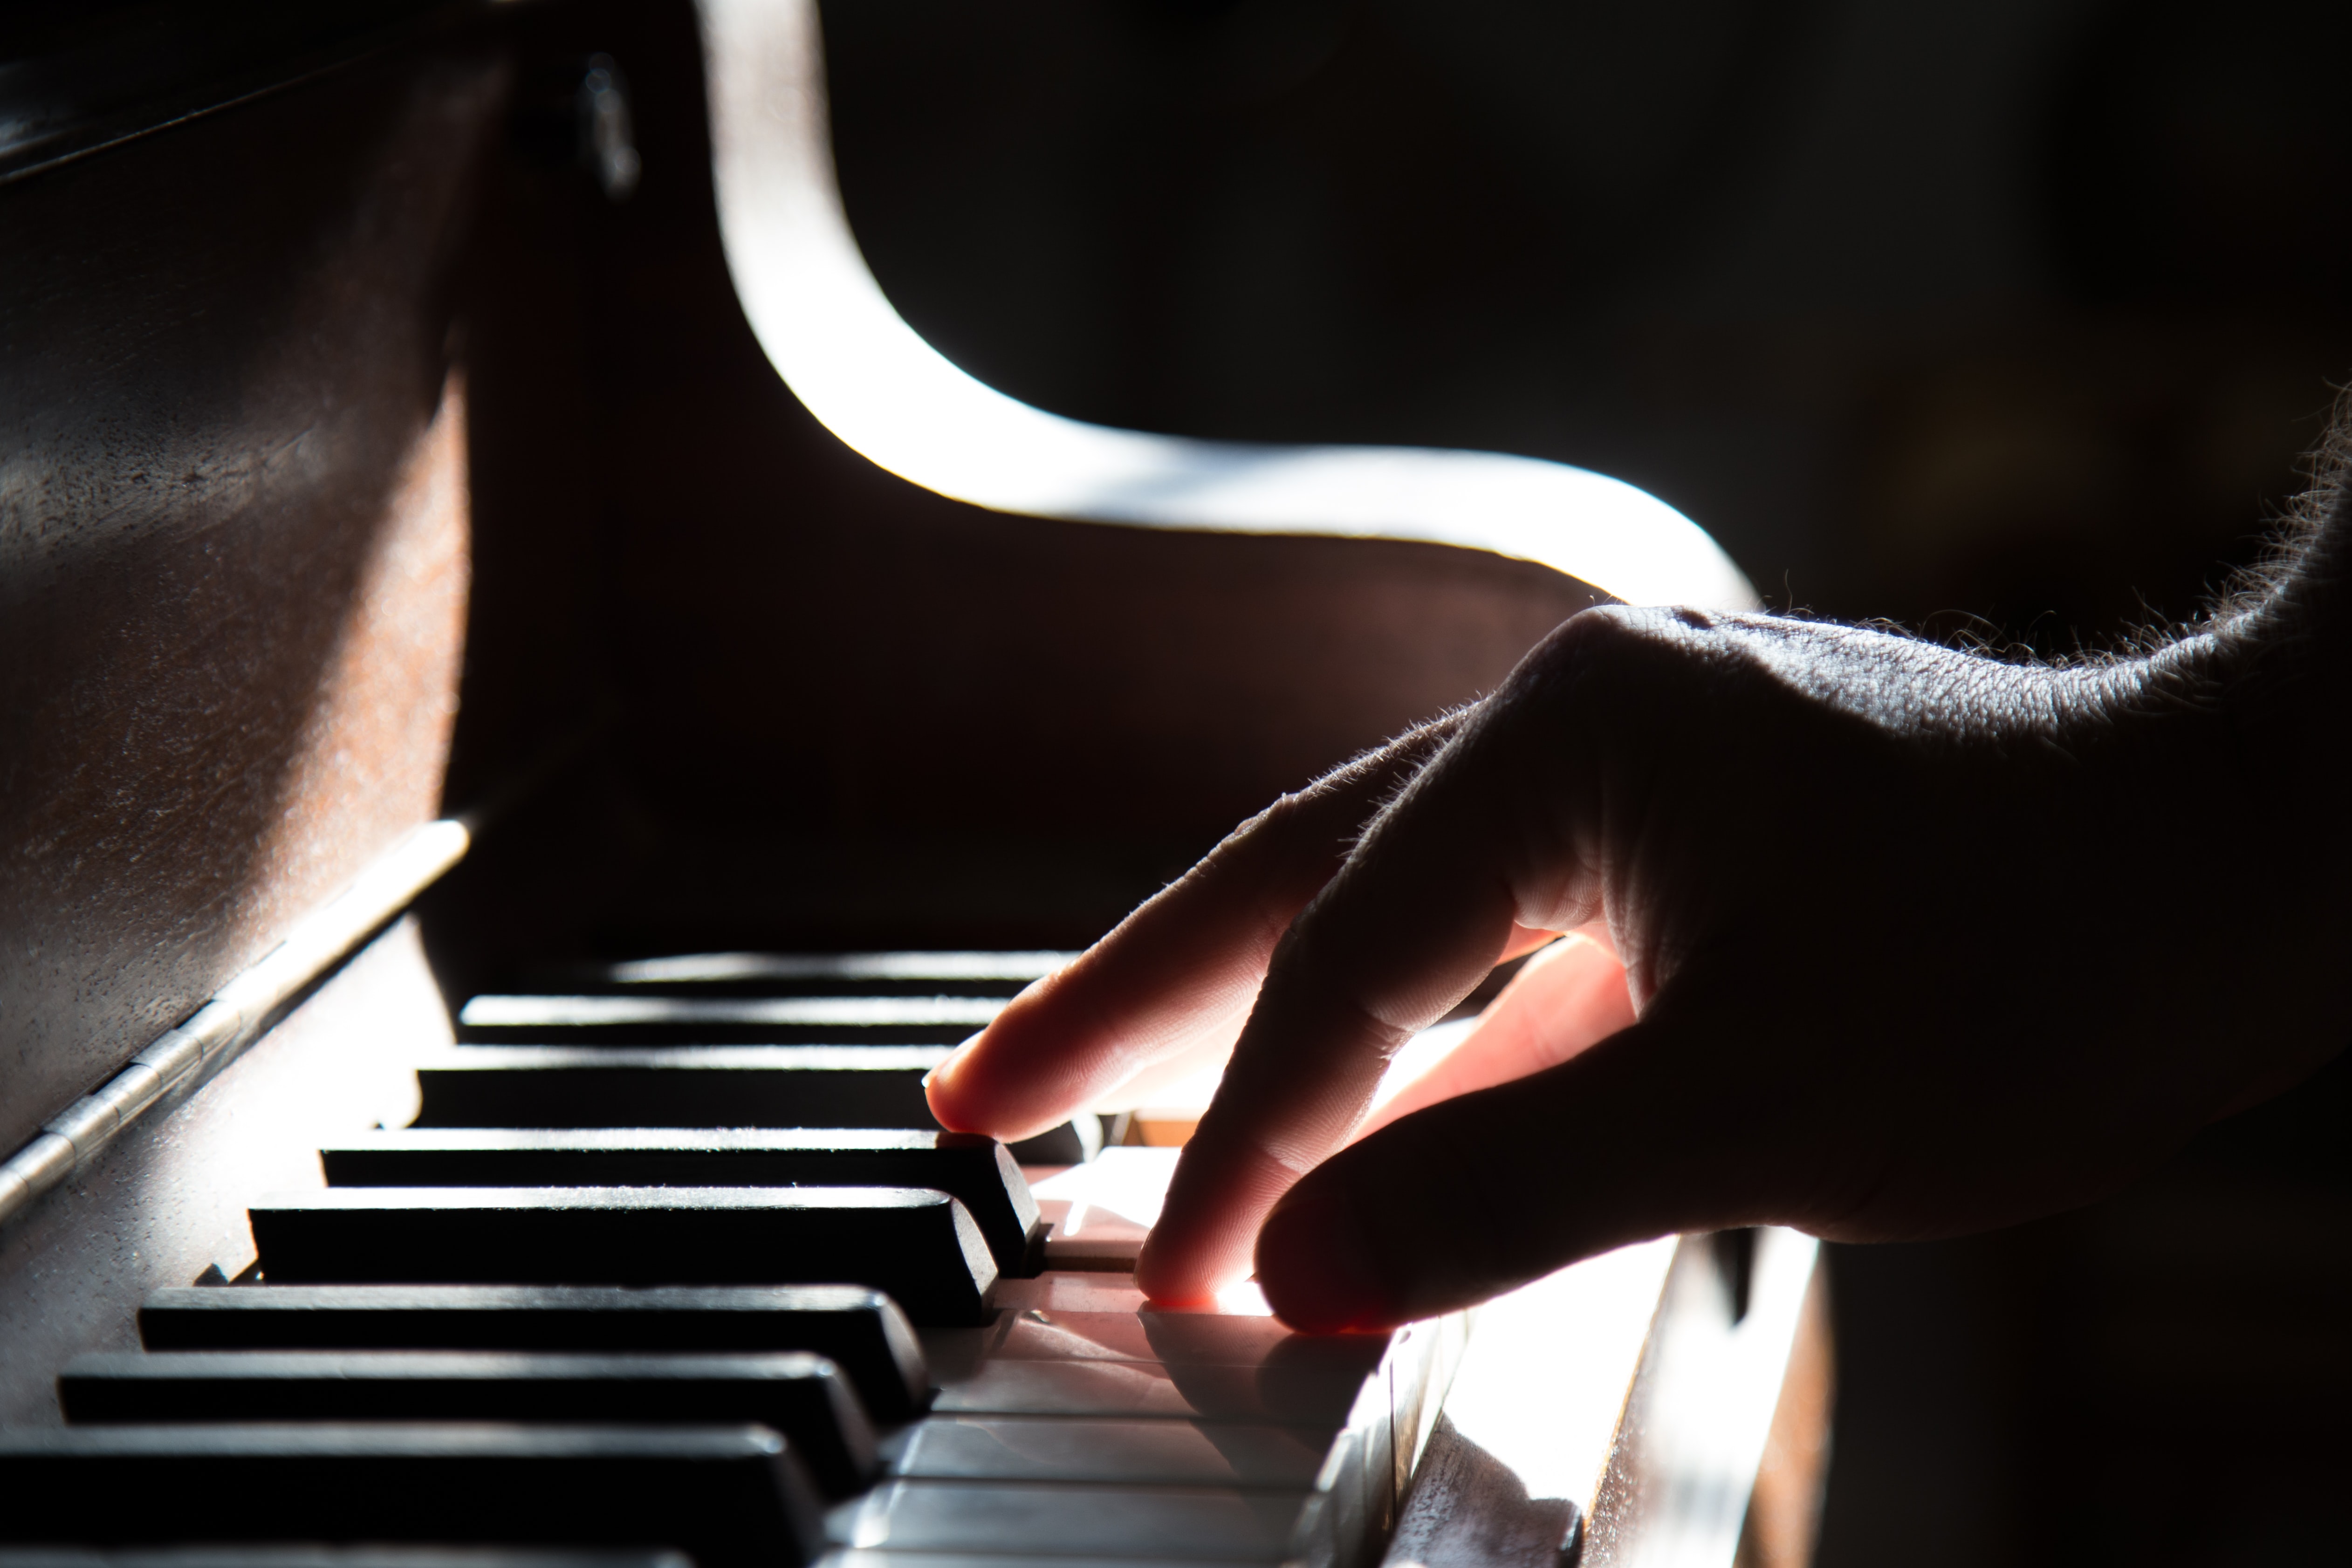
(979, 1087)
(949, 1120)
(947, 1087)
(1169, 1275)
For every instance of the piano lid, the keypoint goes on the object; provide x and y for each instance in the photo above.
(859, 367)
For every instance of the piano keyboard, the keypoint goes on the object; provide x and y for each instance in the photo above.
(674, 1261)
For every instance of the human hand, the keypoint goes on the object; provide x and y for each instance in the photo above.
(1914, 942)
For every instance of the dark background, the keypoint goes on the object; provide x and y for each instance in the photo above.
(2024, 309)
(2008, 321)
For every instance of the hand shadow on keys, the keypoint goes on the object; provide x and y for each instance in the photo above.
(1306, 1381)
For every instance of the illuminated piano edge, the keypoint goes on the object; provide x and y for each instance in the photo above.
(184, 1059)
(862, 370)
(1659, 1385)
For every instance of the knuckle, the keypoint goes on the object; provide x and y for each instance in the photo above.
(1624, 632)
(1273, 836)
(1618, 662)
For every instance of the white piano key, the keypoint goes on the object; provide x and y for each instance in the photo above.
(1188, 1523)
(1088, 1237)
(1165, 1453)
(1311, 1395)
(1062, 1290)
(1156, 1337)
(1058, 1289)
(1174, 1339)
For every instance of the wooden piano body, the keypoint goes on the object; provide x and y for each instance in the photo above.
(366, 462)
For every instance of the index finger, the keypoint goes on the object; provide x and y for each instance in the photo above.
(1179, 974)
(1474, 849)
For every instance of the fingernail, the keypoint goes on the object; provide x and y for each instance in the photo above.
(1315, 1264)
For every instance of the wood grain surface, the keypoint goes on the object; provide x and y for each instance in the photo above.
(233, 530)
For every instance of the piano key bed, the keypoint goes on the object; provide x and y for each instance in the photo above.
(664, 1270)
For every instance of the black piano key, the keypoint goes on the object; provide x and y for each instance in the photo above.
(918, 1247)
(861, 1331)
(878, 1086)
(1078, 1140)
(803, 1396)
(678, 1086)
(976, 1171)
(723, 1021)
(729, 1497)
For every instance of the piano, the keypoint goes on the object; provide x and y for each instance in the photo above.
(535, 707)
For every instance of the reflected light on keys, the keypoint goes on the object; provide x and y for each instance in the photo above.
(1242, 1299)
(1120, 1185)
(1557, 1445)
